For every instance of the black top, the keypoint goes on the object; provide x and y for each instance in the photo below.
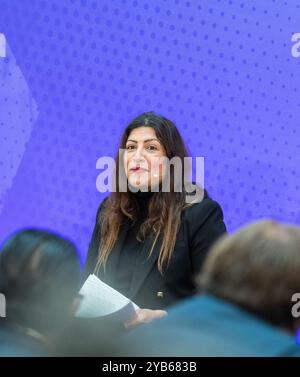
(132, 247)
(131, 270)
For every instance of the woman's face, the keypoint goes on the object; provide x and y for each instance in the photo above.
(143, 158)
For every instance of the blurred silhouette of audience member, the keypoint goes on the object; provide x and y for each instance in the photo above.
(245, 308)
(40, 277)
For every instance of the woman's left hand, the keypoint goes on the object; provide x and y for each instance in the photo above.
(145, 316)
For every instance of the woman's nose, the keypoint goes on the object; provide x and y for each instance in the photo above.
(139, 154)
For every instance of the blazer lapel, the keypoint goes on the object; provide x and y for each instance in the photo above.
(112, 261)
(144, 264)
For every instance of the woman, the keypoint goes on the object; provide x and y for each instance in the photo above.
(149, 244)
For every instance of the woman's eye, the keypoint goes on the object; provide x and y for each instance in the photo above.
(130, 147)
(152, 148)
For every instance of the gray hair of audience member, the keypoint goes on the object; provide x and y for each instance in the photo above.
(40, 277)
(257, 268)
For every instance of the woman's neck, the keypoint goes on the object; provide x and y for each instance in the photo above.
(143, 195)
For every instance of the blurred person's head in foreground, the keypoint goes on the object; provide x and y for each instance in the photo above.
(257, 269)
(40, 277)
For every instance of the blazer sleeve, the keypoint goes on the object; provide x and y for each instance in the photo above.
(206, 224)
(92, 254)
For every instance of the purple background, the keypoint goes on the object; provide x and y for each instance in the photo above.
(76, 72)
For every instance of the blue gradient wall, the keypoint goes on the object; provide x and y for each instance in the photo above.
(76, 72)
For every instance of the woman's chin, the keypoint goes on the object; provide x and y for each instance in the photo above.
(135, 186)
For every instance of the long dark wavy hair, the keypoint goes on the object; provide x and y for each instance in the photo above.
(164, 213)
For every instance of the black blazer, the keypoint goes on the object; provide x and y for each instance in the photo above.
(201, 225)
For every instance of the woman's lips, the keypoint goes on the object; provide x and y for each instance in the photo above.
(137, 170)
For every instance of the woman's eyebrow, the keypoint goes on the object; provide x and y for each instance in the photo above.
(153, 139)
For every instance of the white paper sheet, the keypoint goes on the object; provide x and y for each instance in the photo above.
(99, 299)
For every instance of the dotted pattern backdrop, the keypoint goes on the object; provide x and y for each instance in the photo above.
(223, 70)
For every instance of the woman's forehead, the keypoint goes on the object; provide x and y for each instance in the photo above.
(142, 134)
